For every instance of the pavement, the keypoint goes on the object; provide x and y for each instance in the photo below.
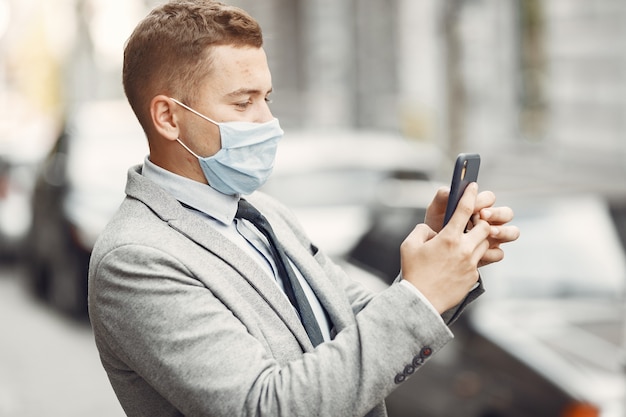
(49, 365)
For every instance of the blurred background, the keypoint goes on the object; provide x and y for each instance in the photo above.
(377, 98)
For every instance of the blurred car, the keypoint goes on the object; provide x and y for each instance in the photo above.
(617, 207)
(24, 142)
(546, 339)
(15, 191)
(79, 186)
(331, 179)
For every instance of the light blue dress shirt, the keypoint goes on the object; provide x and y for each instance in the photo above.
(219, 211)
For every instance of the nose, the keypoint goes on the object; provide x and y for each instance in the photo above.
(264, 113)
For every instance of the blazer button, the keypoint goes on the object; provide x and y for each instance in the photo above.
(418, 361)
(409, 369)
(400, 378)
(426, 352)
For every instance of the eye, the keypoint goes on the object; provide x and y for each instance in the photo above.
(268, 100)
(243, 105)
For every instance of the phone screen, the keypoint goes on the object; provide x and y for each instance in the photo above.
(465, 172)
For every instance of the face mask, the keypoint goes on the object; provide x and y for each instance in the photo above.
(246, 158)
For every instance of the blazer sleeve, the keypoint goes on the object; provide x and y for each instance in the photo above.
(153, 319)
(451, 315)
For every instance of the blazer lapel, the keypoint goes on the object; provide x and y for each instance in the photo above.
(192, 226)
(326, 291)
(213, 241)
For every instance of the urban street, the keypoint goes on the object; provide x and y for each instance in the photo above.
(50, 365)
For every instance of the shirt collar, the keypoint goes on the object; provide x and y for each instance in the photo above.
(192, 193)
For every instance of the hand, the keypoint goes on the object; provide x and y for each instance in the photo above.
(444, 265)
(495, 216)
(436, 210)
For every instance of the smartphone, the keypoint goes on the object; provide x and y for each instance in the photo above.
(465, 172)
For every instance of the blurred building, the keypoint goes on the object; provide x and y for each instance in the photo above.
(480, 75)
(484, 75)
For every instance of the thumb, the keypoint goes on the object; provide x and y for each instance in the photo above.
(437, 208)
(441, 199)
(421, 234)
(412, 245)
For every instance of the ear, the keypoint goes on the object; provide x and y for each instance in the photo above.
(163, 117)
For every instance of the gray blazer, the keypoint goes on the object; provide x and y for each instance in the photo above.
(187, 324)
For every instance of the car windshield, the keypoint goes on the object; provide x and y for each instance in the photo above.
(568, 248)
(326, 188)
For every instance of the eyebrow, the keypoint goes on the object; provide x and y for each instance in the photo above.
(247, 91)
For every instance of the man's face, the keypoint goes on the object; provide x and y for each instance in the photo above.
(238, 89)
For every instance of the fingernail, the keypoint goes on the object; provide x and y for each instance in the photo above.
(495, 231)
(485, 214)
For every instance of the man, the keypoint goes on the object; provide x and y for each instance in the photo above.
(194, 309)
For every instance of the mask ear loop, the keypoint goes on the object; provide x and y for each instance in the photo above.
(197, 113)
(186, 147)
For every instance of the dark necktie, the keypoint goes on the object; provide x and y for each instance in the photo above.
(292, 286)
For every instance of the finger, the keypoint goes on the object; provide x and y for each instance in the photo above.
(480, 233)
(424, 232)
(485, 199)
(481, 250)
(464, 209)
(437, 208)
(503, 234)
(441, 199)
(495, 253)
(419, 235)
(473, 220)
(497, 215)
(492, 255)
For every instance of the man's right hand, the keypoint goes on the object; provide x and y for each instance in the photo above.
(444, 265)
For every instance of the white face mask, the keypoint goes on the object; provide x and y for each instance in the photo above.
(246, 158)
